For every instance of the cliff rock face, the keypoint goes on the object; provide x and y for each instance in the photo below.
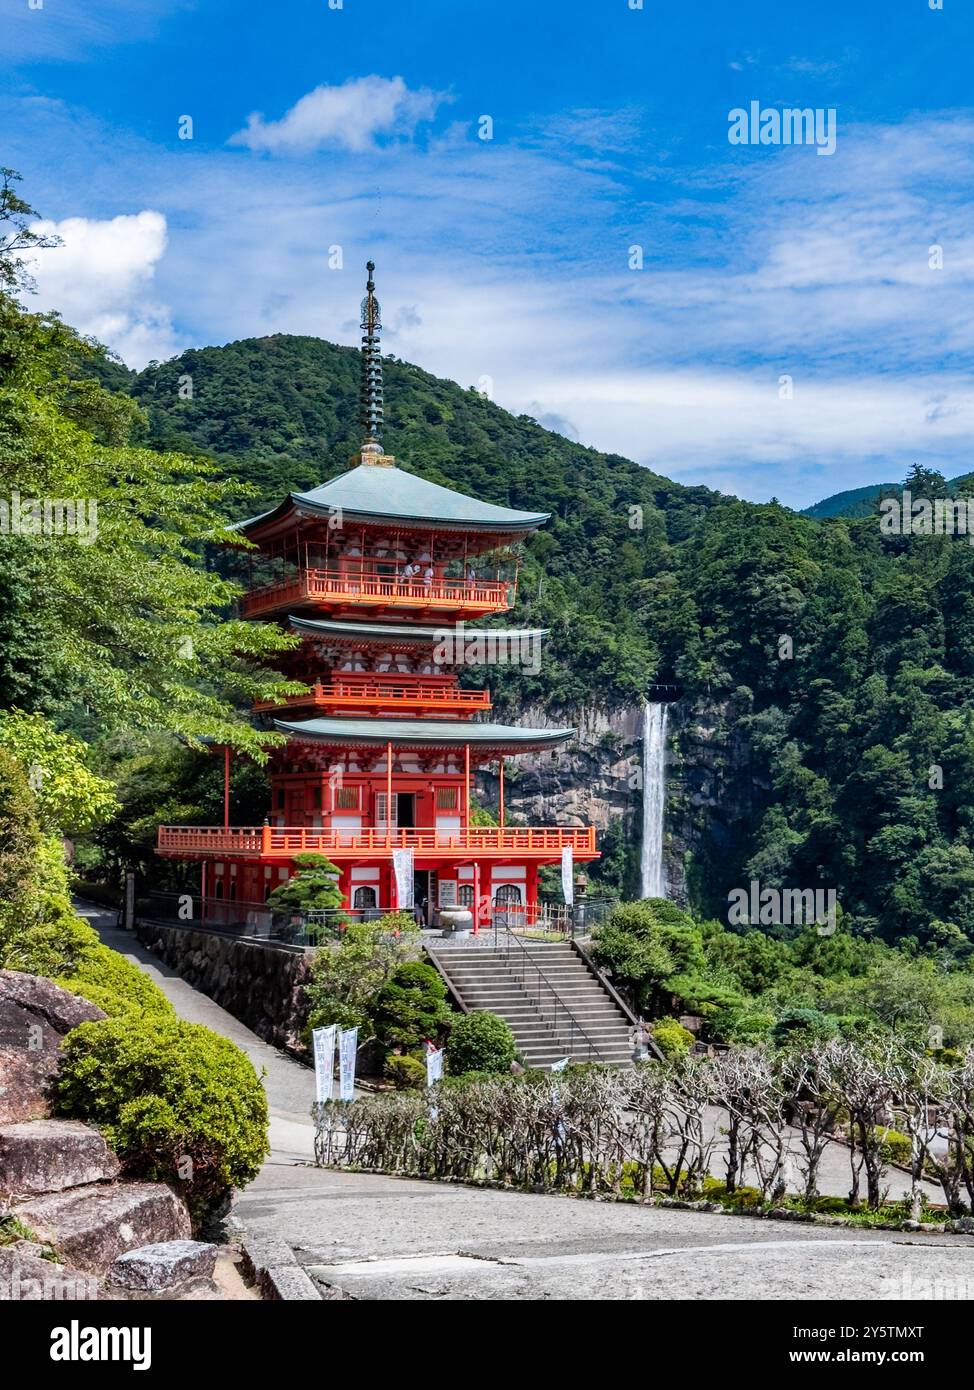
(598, 779)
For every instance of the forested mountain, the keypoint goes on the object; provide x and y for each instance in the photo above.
(837, 662)
(856, 502)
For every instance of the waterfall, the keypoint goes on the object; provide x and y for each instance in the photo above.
(652, 879)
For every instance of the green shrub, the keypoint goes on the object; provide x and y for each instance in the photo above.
(115, 985)
(175, 1101)
(672, 1039)
(347, 976)
(741, 1025)
(481, 1042)
(795, 1026)
(411, 1006)
(897, 1148)
(406, 1073)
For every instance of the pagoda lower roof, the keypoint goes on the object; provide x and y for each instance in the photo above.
(397, 633)
(381, 495)
(422, 733)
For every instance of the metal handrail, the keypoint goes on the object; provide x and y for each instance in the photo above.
(559, 1002)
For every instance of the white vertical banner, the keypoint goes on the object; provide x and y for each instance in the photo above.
(402, 865)
(568, 874)
(434, 1065)
(323, 1045)
(347, 1044)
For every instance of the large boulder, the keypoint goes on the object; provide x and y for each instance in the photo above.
(51, 1155)
(25, 1276)
(155, 1268)
(92, 1226)
(35, 1014)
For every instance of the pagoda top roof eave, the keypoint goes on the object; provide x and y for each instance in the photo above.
(377, 496)
(422, 733)
(396, 634)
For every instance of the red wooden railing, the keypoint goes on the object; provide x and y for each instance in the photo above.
(286, 841)
(368, 694)
(374, 590)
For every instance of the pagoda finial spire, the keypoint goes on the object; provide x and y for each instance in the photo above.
(370, 395)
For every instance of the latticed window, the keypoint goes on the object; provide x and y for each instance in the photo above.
(466, 894)
(346, 798)
(447, 798)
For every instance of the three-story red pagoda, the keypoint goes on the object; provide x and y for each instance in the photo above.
(380, 573)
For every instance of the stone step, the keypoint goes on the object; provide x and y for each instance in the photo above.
(594, 1016)
(51, 1155)
(91, 1226)
(530, 1009)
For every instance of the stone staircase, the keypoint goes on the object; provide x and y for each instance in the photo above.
(554, 1003)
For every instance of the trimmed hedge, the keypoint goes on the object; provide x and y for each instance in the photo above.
(176, 1102)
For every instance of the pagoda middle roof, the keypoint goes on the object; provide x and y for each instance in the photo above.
(422, 733)
(404, 632)
(378, 494)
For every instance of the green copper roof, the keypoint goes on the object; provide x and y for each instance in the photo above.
(422, 733)
(407, 632)
(371, 492)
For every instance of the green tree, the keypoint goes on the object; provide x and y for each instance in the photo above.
(347, 977)
(411, 1007)
(314, 888)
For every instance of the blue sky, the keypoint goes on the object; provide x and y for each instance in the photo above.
(506, 262)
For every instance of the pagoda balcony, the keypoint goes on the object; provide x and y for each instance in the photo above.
(368, 590)
(376, 693)
(271, 842)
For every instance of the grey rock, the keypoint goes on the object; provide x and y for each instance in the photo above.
(164, 1266)
(93, 1225)
(961, 1226)
(51, 1155)
(35, 1014)
(288, 1283)
(25, 1277)
(25, 1079)
(31, 998)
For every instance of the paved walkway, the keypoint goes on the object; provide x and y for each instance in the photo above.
(393, 1238)
(288, 1083)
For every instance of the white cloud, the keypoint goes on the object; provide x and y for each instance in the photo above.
(70, 30)
(99, 280)
(350, 117)
(508, 260)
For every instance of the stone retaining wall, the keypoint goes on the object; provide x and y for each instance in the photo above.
(262, 986)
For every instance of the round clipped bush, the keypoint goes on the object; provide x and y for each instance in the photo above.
(672, 1039)
(411, 1006)
(176, 1102)
(406, 1073)
(480, 1042)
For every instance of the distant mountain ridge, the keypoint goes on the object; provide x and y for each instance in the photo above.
(857, 502)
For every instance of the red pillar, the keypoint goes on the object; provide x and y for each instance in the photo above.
(226, 786)
(388, 793)
(502, 794)
(466, 786)
(476, 896)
